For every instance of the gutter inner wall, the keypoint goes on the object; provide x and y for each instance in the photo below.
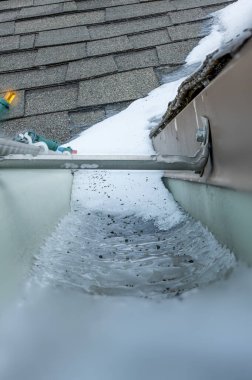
(31, 202)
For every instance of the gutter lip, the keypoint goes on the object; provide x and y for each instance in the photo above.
(219, 60)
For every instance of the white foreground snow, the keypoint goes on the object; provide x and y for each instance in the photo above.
(69, 336)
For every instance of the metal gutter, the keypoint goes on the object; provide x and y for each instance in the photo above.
(155, 162)
(226, 103)
(196, 162)
(221, 198)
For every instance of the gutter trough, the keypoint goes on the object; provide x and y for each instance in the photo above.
(221, 197)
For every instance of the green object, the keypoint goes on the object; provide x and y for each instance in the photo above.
(32, 137)
(4, 107)
(62, 149)
(52, 145)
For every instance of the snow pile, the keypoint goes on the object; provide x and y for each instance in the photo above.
(229, 22)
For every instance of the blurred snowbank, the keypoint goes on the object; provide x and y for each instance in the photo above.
(206, 335)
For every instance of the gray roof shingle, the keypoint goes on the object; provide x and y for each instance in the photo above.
(77, 62)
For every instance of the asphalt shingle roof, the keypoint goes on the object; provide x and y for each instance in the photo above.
(76, 62)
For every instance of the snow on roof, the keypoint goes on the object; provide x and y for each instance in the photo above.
(128, 131)
(75, 63)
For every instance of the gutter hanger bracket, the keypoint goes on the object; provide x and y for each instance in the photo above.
(197, 162)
